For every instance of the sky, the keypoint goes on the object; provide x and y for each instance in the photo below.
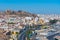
(32, 6)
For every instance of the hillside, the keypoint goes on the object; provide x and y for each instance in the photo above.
(19, 13)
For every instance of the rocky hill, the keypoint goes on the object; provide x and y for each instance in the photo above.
(19, 13)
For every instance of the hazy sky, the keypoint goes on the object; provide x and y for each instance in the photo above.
(33, 6)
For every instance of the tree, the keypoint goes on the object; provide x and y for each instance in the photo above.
(19, 10)
(53, 21)
(28, 33)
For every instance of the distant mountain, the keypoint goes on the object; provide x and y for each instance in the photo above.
(19, 13)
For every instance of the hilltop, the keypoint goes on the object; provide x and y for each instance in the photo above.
(19, 13)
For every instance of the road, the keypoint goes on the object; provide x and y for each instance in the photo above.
(52, 37)
(22, 35)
